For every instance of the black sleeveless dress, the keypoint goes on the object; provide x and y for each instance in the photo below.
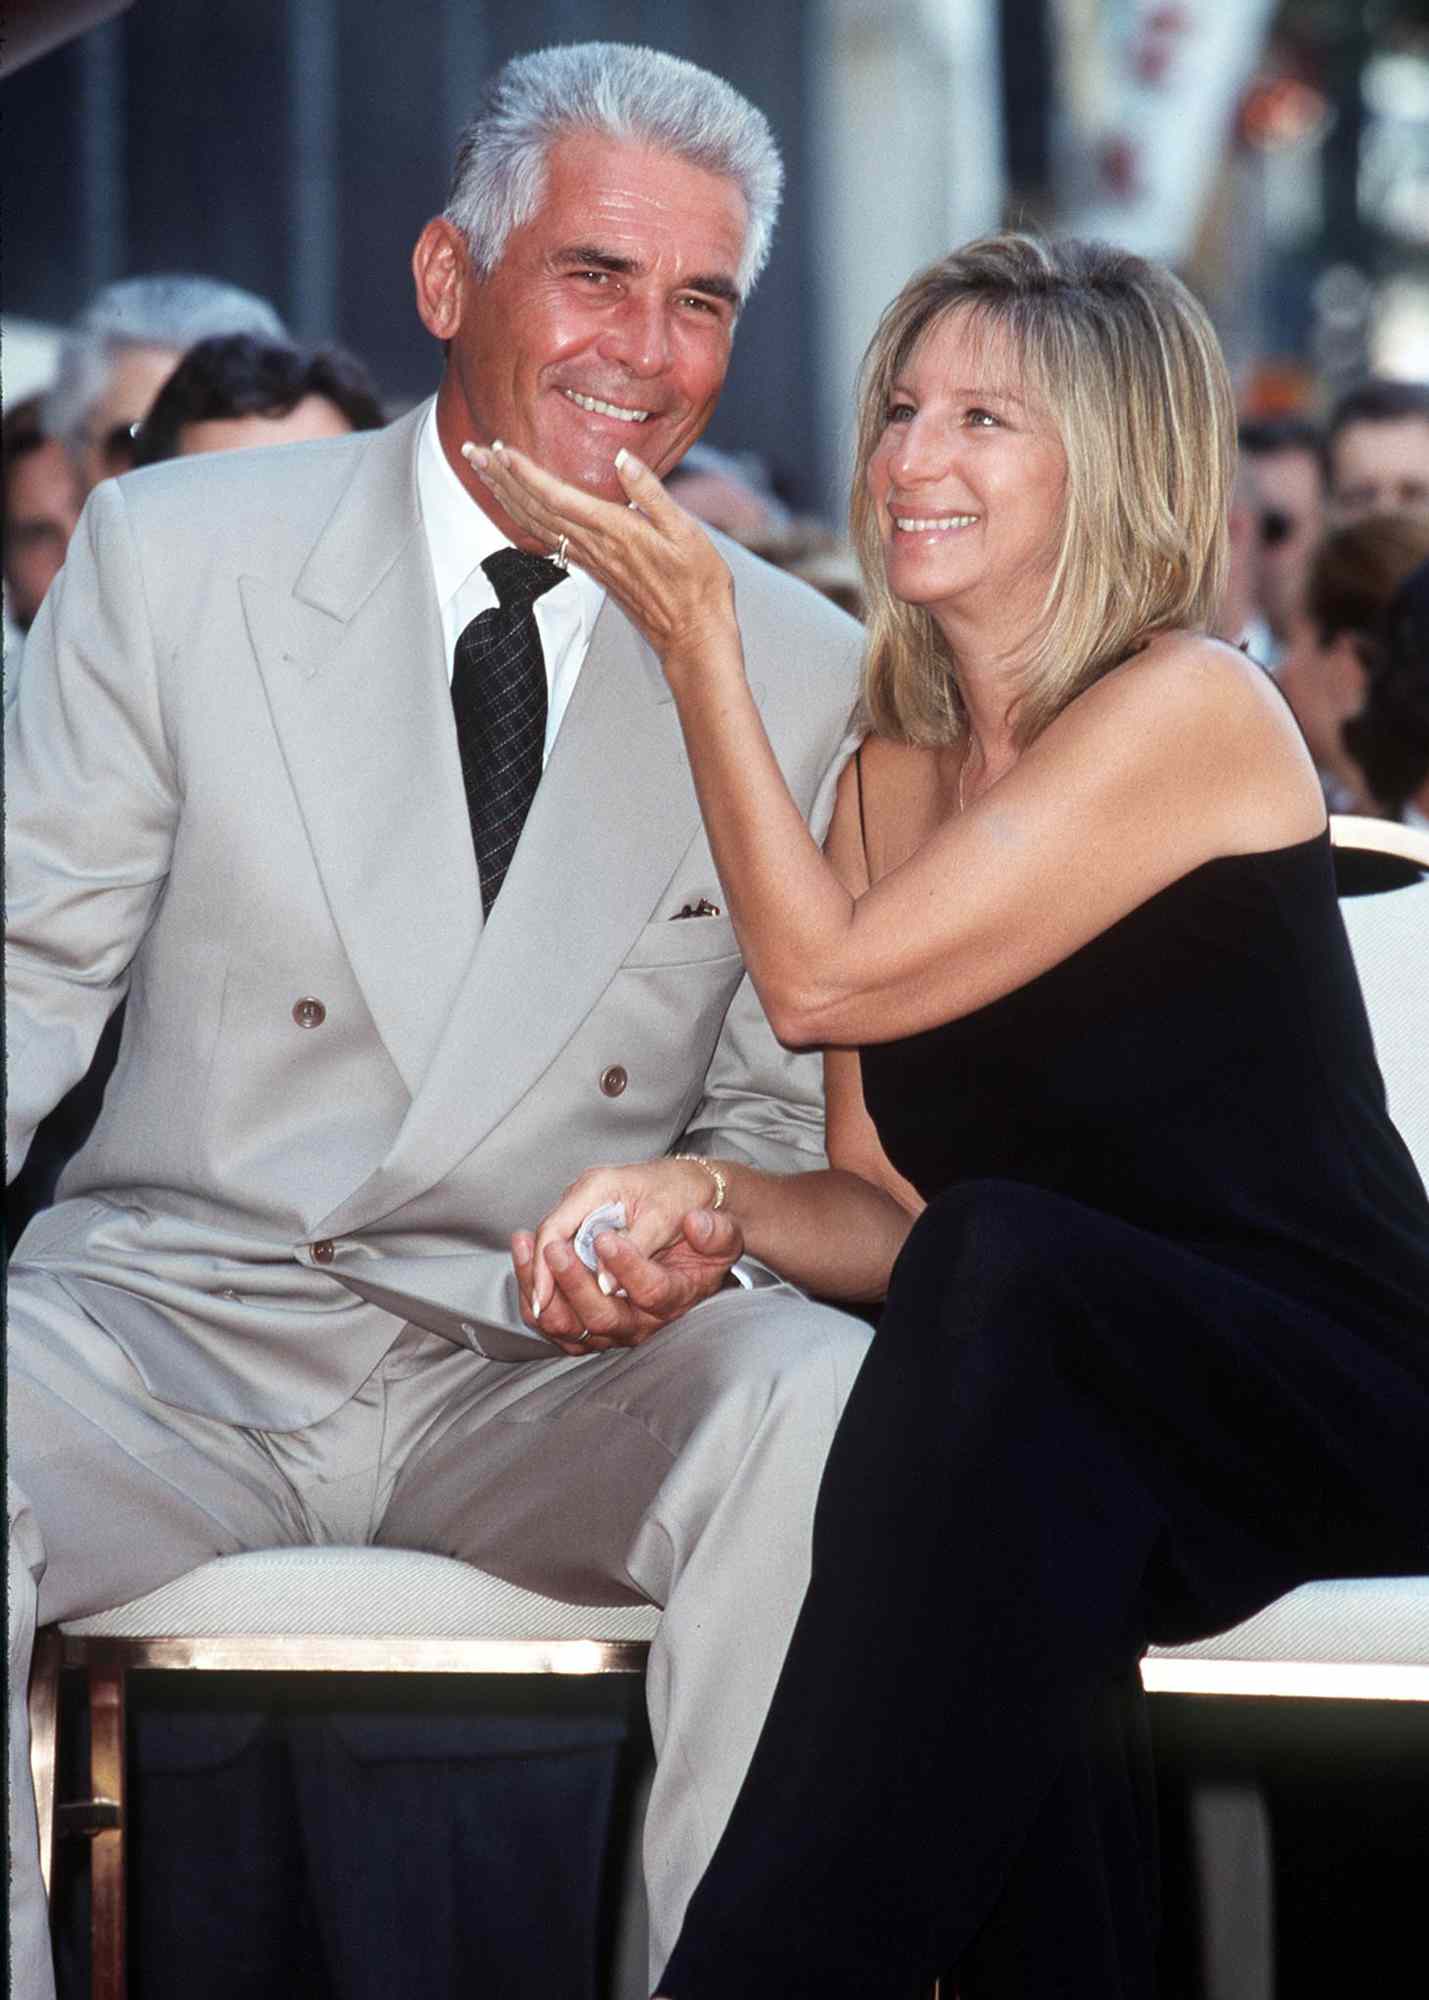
(1156, 1351)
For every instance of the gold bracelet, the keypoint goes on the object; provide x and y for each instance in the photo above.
(721, 1185)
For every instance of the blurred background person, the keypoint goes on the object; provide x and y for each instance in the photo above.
(1377, 449)
(732, 491)
(1389, 738)
(237, 390)
(1286, 457)
(1353, 574)
(1240, 620)
(41, 507)
(121, 350)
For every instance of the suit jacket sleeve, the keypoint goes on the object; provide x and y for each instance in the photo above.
(83, 877)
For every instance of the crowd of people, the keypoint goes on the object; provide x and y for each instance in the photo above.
(568, 975)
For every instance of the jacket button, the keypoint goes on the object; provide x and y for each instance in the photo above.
(324, 1251)
(309, 1013)
(613, 1080)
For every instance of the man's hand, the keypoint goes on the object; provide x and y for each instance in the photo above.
(657, 1288)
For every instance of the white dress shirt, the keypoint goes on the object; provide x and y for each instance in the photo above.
(460, 536)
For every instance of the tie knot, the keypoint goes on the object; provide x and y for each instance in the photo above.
(518, 578)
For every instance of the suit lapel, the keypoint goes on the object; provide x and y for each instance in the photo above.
(353, 666)
(614, 810)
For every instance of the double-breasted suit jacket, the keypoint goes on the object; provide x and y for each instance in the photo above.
(338, 1091)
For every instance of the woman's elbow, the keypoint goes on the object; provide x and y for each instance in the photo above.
(801, 1017)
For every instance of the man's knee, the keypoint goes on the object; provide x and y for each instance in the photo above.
(767, 1344)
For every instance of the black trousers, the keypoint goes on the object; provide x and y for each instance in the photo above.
(1070, 1438)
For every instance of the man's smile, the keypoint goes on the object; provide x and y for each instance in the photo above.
(598, 408)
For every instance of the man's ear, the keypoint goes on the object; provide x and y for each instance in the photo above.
(441, 268)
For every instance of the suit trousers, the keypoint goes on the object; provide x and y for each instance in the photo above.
(684, 1472)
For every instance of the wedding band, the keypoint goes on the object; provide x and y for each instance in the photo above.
(558, 555)
(582, 1336)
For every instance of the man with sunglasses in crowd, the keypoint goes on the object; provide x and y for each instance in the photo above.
(123, 348)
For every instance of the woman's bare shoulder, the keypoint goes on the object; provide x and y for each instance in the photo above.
(1205, 721)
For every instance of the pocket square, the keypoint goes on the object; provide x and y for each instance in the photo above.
(700, 909)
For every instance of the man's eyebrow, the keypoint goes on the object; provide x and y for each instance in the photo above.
(715, 285)
(590, 256)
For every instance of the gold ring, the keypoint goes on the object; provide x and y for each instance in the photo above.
(559, 556)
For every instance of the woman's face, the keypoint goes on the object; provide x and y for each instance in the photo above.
(968, 478)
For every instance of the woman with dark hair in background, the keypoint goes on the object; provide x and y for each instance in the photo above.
(1389, 738)
(1156, 1348)
(1324, 675)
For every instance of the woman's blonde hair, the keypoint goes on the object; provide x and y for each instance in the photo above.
(1130, 372)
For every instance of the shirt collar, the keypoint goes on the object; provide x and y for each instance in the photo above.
(461, 534)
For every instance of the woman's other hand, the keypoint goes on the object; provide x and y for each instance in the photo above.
(674, 1251)
(654, 558)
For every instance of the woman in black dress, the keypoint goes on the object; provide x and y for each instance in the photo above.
(1155, 1349)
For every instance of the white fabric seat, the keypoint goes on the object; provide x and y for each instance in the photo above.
(358, 1593)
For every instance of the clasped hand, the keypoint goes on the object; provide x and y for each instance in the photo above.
(652, 557)
(674, 1251)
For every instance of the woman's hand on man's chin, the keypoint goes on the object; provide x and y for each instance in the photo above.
(656, 561)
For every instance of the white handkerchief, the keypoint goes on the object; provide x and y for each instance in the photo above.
(610, 1215)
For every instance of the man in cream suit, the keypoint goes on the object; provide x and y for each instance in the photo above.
(275, 1302)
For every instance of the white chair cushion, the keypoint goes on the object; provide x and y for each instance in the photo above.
(1389, 936)
(357, 1593)
(1346, 1622)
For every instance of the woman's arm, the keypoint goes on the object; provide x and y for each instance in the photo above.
(1182, 754)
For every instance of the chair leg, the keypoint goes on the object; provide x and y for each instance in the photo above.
(44, 1721)
(106, 1877)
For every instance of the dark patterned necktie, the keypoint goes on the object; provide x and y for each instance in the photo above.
(499, 700)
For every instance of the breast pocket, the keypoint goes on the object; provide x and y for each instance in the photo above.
(684, 941)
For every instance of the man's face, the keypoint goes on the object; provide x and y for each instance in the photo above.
(134, 380)
(1381, 468)
(41, 507)
(607, 322)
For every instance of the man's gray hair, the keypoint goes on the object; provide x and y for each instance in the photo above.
(145, 312)
(616, 91)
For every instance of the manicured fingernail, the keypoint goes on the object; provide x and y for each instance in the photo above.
(497, 445)
(620, 458)
(606, 1283)
(473, 454)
